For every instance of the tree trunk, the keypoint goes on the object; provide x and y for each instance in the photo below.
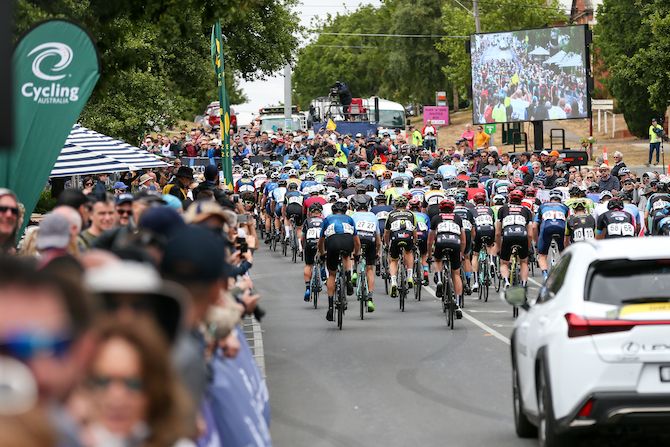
(455, 92)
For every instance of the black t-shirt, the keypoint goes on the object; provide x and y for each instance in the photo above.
(448, 228)
(618, 223)
(580, 227)
(514, 219)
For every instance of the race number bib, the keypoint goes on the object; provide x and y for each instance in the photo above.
(583, 234)
(514, 219)
(313, 233)
(484, 221)
(366, 227)
(467, 225)
(382, 215)
(246, 188)
(659, 204)
(421, 226)
(553, 215)
(396, 225)
(295, 199)
(621, 229)
(448, 227)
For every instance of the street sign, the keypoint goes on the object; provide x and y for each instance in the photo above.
(489, 129)
(602, 104)
(441, 98)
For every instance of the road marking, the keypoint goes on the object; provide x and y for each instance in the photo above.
(534, 282)
(474, 311)
(472, 319)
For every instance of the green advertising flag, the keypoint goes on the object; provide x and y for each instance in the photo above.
(489, 128)
(55, 68)
(219, 69)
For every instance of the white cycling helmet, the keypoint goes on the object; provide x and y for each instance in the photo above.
(292, 173)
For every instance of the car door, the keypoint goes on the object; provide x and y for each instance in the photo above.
(532, 333)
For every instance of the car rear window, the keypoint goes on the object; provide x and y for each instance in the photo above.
(620, 281)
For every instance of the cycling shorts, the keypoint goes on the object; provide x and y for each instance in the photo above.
(278, 208)
(334, 245)
(422, 245)
(310, 253)
(396, 243)
(546, 235)
(295, 210)
(508, 242)
(369, 250)
(488, 233)
(468, 243)
(450, 248)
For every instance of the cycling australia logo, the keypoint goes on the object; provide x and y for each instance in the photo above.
(50, 61)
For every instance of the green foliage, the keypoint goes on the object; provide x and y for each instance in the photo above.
(155, 54)
(633, 40)
(499, 15)
(46, 203)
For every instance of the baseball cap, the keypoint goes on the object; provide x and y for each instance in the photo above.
(161, 220)
(203, 209)
(554, 154)
(125, 198)
(605, 194)
(120, 185)
(194, 254)
(54, 232)
(544, 153)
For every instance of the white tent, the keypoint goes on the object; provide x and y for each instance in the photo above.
(89, 152)
(556, 58)
(539, 51)
(571, 60)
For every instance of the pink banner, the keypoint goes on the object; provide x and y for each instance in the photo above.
(438, 115)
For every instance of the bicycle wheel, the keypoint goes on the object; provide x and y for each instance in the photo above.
(363, 296)
(485, 283)
(315, 285)
(294, 247)
(340, 299)
(452, 301)
(402, 291)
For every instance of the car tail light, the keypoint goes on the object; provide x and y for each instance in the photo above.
(579, 326)
(586, 409)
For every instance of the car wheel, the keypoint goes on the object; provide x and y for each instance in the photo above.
(547, 435)
(524, 428)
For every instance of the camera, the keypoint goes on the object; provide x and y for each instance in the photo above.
(660, 133)
(334, 92)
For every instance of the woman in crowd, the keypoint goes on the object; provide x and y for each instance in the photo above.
(10, 220)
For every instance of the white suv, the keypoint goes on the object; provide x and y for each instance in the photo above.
(592, 350)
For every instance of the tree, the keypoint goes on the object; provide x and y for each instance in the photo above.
(495, 15)
(155, 54)
(633, 41)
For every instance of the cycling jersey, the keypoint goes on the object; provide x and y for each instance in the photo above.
(245, 184)
(422, 224)
(663, 227)
(656, 203)
(514, 220)
(448, 228)
(293, 201)
(581, 227)
(484, 226)
(617, 223)
(306, 184)
(338, 230)
(278, 195)
(401, 224)
(382, 213)
(367, 229)
(311, 230)
(418, 193)
(432, 201)
(468, 223)
(552, 218)
(394, 192)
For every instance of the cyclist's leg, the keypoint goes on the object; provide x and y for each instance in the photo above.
(522, 251)
(394, 255)
(466, 265)
(409, 264)
(543, 244)
(310, 254)
(505, 255)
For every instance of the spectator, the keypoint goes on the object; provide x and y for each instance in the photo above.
(607, 181)
(180, 187)
(100, 189)
(429, 136)
(103, 218)
(550, 177)
(654, 140)
(618, 163)
(481, 139)
(9, 220)
(469, 135)
(76, 200)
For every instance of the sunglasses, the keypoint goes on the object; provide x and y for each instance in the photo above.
(25, 346)
(130, 383)
(572, 171)
(125, 212)
(548, 170)
(88, 184)
(11, 209)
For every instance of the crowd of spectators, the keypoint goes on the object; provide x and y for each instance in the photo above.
(121, 319)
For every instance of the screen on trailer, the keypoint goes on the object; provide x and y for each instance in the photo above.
(529, 75)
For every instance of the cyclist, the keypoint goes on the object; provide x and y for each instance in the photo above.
(368, 232)
(530, 200)
(513, 229)
(469, 226)
(314, 197)
(338, 235)
(418, 191)
(293, 177)
(581, 224)
(433, 197)
(400, 231)
(245, 184)
(328, 206)
(309, 237)
(447, 238)
(396, 190)
(579, 195)
(360, 196)
(484, 232)
(277, 203)
(293, 201)
(310, 180)
(656, 202)
(266, 204)
(422, 230)
(550, 221)
(496, 203)
(662, 227)
(615, 222)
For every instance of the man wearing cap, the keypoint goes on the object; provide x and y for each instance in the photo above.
(179, 188)
(607, 182)
(124, 209)
(544, 158)
(53, 237)
(119, 188)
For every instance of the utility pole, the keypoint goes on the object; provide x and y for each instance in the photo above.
(475, 13)
(288, 106)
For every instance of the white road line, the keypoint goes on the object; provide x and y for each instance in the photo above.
(472, 319)
(534, 282)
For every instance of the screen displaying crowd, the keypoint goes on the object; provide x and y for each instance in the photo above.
(529, 75)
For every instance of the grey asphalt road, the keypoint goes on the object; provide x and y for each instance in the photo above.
(394, 379)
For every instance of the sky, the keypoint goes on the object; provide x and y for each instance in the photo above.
(271, 90)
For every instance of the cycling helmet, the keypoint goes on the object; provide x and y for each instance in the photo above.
(593, 187)
(318, 188)
(398, 181)
(499, 199)
(333, 196)
(339, 207)
(363, 166)
(574, 191)
(624, 171)
(361, 188)
(461, 184)
(358, 174)
(282, 182)
(486, 171)
(330, 175)
(360, 204)
(479, 198)
(461, 197)
(615, 203)
(435, 185)
(662, 187)
(237, 168)
(245, 174)
(387, 175)
(473, 183)
(452, 183)
(418, 182)
(579, 204)
(401, 168)
(447, 205)
(518, 181)
(414, 204)
(292, 186)
(260, 170)
(401, 202)
(389, 165)
(380, 198)
(561, 167)
(556, 194)
(315, 207)
(439, 177)
(310, 176)
(561, 182)
(501, 173)
(408, 195)
(274, 176)
(531, 191)
(515, 196)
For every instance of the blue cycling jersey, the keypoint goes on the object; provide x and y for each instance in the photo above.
(422, 224)
(338, 224)
(381, 212)
(307, 184)
(366, 224)
(269, 187)
(552, 216)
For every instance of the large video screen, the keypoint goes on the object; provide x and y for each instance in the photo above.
(529, 75)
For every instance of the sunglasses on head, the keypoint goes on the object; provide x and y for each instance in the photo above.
(11, 209)
(27, 345)
(130, 383)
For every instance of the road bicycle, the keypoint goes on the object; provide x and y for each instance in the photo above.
(293, 238)
(362, 285)
(418, 274)
(515, 274)
(484, 273)
(384, 270)
(274, 236)
(402, 279)
(554, 253)
(448, 296)
(315, 283)
(340, 290)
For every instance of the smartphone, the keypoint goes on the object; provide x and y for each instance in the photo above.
(242, 219)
